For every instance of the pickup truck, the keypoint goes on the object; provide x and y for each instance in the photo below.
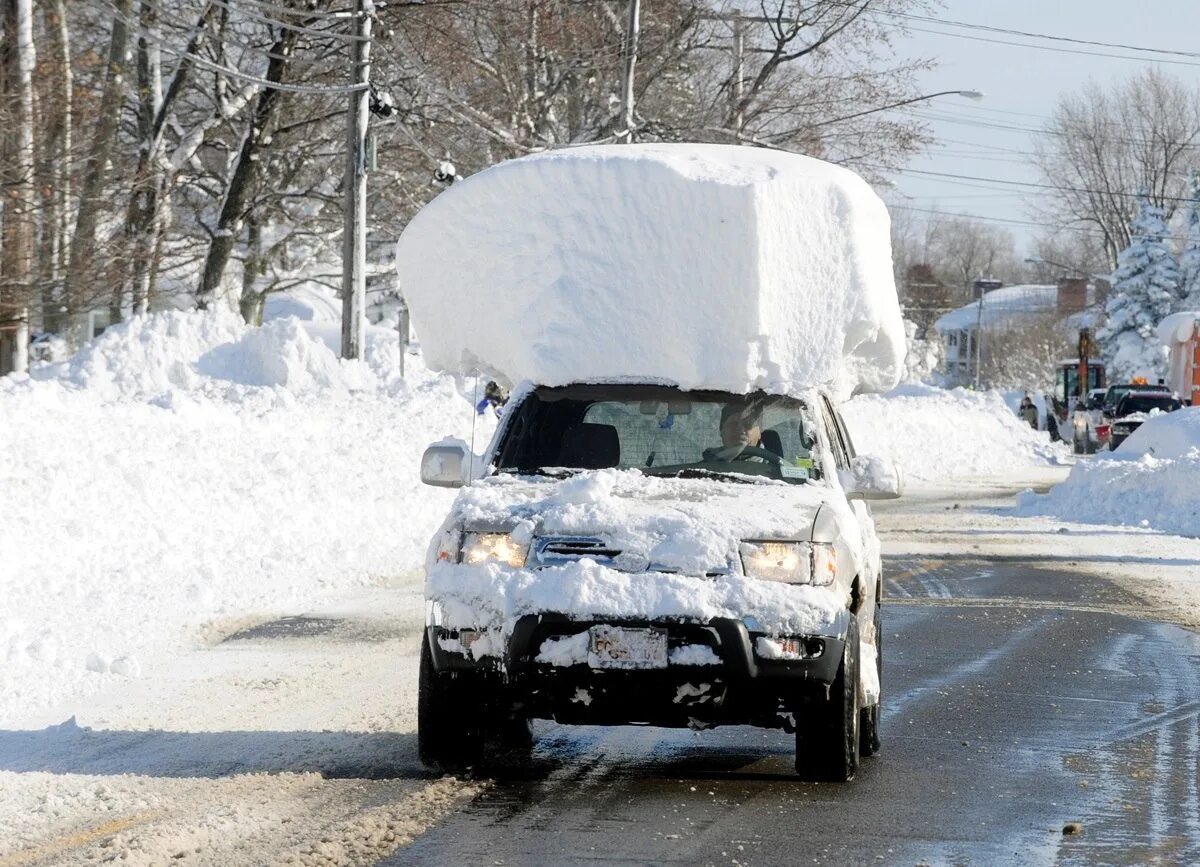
(635, 553)
(1092, 423)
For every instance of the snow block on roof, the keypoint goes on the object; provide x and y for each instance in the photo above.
(710, 266)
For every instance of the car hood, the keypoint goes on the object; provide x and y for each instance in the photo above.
(692, 526)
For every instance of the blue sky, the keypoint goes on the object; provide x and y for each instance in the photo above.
(1022, 86)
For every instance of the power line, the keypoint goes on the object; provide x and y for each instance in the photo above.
(1034, 184)
(1025, 33)
(1052, 48)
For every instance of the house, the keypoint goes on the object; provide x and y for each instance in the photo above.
(964, 332)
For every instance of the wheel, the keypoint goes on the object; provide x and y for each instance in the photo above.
(868, 735)
(450, 730)
(827, 738)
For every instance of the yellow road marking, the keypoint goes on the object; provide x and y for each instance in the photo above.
(79, 838)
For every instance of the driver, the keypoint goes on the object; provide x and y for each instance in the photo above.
(741, 425)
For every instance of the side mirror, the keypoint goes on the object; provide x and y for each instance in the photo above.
(871, 478)
(443, 465)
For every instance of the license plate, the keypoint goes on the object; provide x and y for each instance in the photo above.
(621, 647)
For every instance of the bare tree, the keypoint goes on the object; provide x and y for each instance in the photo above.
(1104, 145)
(1026, 353)
(95, 171)
(964, 250)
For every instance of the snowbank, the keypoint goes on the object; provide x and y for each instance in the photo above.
(1152, 480)
(185, 471)
(706, 265)
(935, 433)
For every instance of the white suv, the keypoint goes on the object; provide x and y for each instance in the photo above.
(634, 553)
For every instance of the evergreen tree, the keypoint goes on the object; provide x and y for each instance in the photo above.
(1189, 259)
(1145, 288)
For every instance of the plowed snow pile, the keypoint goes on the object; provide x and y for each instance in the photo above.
(709, 266)
(1152, 480)
(184, 470)
(935, 433)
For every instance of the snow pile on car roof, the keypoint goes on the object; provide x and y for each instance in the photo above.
(710, 266)
(1151, 480)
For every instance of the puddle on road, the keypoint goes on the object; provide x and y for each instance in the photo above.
(305, 626)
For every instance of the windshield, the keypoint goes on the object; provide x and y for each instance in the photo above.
(661, 430)
(1134, 402)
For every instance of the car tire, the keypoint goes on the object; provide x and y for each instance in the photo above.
(868, 725)
(827, 738)
(450, 730)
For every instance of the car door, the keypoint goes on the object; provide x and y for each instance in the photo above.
(843, 452)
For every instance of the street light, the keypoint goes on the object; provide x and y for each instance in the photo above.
(975, 95)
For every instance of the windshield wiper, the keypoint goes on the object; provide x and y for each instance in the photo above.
(538, 471)
(701, 473)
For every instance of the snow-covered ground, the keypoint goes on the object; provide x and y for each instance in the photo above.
(185, 479)
(184, 473)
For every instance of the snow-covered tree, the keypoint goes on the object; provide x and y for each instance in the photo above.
(1145, 288)
(1189, 258)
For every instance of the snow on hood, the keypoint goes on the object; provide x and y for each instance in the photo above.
(688, 526)
(709, 266)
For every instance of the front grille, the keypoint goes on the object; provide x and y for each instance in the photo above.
(560, 550)
(563, 550)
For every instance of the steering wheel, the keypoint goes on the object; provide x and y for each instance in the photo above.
(735, 453)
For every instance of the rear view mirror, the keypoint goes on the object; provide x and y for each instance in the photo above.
(443, 465)
(871, 478)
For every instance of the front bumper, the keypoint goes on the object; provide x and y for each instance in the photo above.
(744, 687)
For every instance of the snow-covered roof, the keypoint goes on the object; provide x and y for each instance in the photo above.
(1178, 327)
(1002, 306)
(712, 266)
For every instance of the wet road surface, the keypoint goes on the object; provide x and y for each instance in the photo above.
(1017, 701)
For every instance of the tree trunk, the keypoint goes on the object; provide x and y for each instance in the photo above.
(244, 174)
(56, 221)
(253, 269)
(16, 266)
(95, 171)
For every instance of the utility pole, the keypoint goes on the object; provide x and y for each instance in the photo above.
(354, 237)
(979, 339)
(631, 49)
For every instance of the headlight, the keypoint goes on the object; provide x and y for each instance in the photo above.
(790, 562)
(479, 548)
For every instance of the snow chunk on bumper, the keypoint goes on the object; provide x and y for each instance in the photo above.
(494, 597)
(712, 266)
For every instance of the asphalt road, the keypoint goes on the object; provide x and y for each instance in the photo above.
(1017, 702)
